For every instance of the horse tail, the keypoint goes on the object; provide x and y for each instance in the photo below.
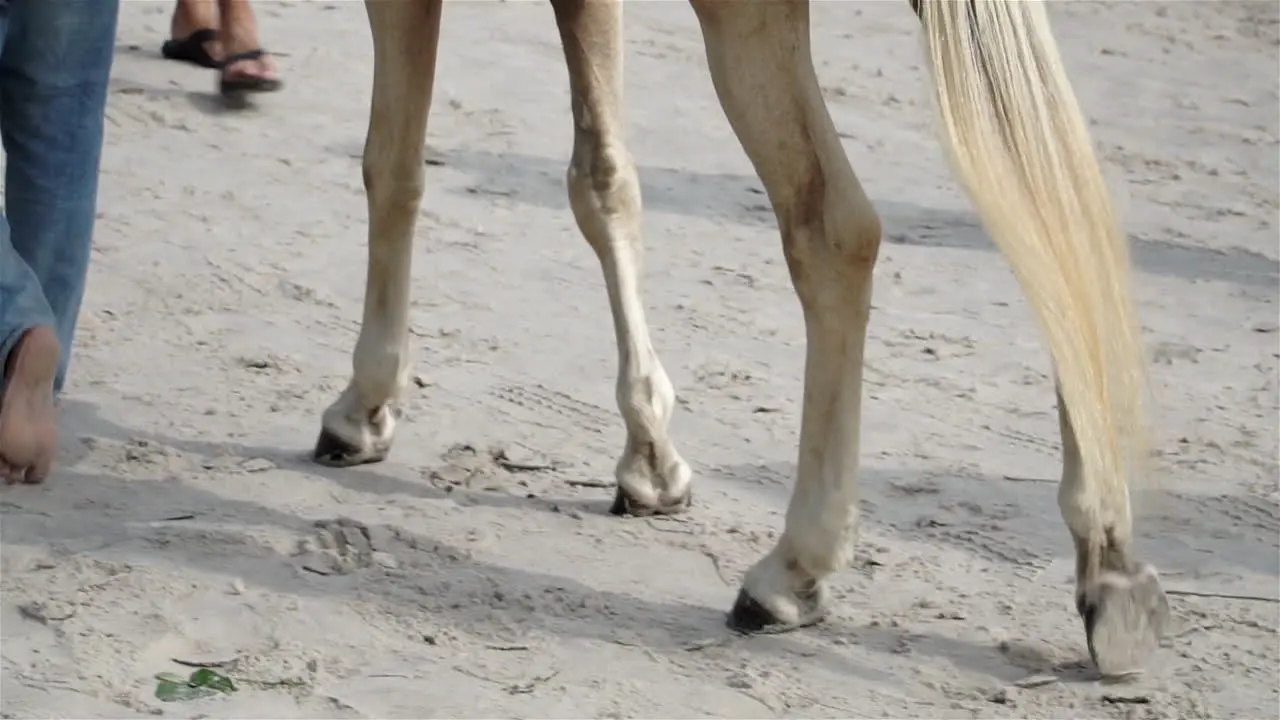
(1019, 143)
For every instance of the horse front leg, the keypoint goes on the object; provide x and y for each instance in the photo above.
(604, 192)
(763, 73)
(360, 425)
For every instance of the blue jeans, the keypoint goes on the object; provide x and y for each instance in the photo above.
(55, 63)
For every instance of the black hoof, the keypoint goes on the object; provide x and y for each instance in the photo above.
(749, 616)
(333, 451)
(624, 506)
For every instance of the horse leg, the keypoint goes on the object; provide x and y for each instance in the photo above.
(763, 72)
(1021, 147)
(1124, 609)
(605, 195)
(359, 426)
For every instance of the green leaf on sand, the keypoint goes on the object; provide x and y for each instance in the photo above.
(212, 679)
(203, 683)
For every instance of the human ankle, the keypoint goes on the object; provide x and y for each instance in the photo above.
(192, 15)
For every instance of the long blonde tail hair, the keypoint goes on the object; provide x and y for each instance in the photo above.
(1019, 144)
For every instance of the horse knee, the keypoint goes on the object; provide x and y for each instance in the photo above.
(392, 179)
(603, 186)
(830, 230)
(856, 236)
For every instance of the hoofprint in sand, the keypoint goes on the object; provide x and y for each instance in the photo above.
(476, 573)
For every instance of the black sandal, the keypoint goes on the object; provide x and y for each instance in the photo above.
(191, 49)
(246, 84)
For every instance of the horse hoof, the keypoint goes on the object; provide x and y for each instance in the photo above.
(625, 506)
(749, 616)
(1125, 616)
(333, 451)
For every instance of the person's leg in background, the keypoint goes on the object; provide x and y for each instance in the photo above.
(222, 34)
(246, 67)
(29, 358)
(55, 64)
(193, 34)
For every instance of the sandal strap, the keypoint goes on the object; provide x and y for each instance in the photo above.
(201, 36)
(255, 54)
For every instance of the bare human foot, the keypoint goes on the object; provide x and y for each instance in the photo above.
(28, 417)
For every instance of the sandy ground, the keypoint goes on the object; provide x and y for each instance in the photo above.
(225, 297)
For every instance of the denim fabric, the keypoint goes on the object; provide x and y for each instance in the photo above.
(55, 63)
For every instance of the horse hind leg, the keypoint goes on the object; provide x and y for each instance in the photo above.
(763, 73)
(1020, 145)
(360, 425)
(604, 192)
(1124, 609)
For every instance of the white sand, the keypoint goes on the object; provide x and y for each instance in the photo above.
(224, 301)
